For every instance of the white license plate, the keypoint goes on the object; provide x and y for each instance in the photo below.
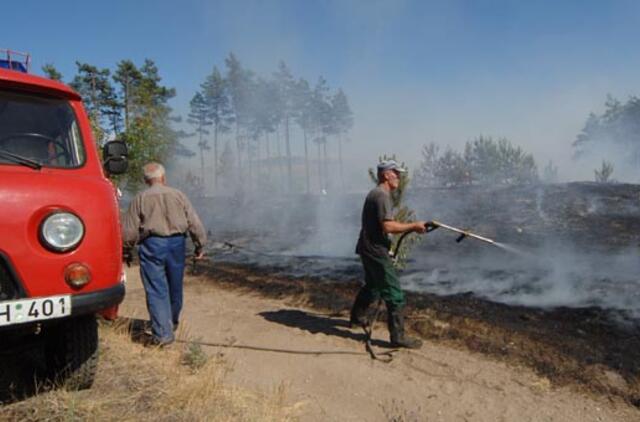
(38, 309)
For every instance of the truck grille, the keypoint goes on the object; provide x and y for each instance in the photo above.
(7, 283)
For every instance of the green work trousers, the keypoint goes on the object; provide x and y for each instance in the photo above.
(381, 281)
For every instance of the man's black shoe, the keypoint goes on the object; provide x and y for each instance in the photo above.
(151, 341)
(161, 344)
(407, 343)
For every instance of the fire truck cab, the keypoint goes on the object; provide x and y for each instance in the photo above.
(60, 242)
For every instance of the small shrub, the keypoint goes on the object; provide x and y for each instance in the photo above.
(603, 175)
(194, 357)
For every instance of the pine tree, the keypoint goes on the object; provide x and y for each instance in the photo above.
(151, 136)
(304, 119)
(287, 94)
(97, 94)
(199, 117)
(51, 72)
(322, 126)
(426, 175)
(342, 123)
(603, 175)
(264, 117)
(239, 82)
(128, 76)
(214, 90)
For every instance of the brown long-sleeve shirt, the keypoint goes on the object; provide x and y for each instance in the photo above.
(161, 211)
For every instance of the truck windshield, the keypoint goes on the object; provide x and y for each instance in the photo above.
(42, 130)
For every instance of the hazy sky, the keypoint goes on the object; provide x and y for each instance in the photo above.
(415, 71)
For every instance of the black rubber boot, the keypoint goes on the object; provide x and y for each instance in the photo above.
(395, 322)
(359, 309)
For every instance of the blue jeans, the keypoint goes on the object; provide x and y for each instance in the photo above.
(162, 261)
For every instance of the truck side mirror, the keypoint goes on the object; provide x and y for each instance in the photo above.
(114, 154)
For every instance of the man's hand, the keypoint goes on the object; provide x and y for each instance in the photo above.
(198, 254)
(127, 255)
(431, 226)
(420, 226)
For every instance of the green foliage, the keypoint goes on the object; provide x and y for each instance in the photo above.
(618, 127)
(199, 117)
(51, 72)
(148, 123)
(129, 77)
(286, 86)
(499, 162)
(99, 97)
(132, 104)
(193, 356)
(216, 109)
(151, 136)
(603, 175)
(426, 175)
(214, 90)
(484, 161)
(341, 114)
(452, 169)
(401, 212)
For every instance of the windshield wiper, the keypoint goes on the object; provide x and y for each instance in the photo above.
(19, 159)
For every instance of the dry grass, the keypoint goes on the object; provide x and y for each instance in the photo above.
(135, 383)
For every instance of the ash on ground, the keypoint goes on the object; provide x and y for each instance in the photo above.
(569, 245)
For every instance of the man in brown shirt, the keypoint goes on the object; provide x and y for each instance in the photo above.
(158, 220)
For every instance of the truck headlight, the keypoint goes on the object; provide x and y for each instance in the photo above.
(62, 231)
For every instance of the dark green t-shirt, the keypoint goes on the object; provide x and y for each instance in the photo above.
(377, 208)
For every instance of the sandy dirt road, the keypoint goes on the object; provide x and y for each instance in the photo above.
(341, 383)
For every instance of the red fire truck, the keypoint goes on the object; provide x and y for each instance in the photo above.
(60, 243)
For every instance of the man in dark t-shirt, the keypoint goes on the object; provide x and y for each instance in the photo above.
(381, 278)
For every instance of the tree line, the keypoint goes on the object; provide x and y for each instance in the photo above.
(257, 113)
(483, 161)
(613, 135)
(243, 116)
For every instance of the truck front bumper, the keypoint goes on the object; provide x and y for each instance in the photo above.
(89, 303)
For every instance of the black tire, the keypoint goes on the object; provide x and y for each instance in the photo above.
(72, 352)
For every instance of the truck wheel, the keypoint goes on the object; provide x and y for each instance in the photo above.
(72, 352)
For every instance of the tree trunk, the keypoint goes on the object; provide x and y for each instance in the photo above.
(238, 151)
(306, 160)
(267, 163)
(340, 162)
(288, 147)
(326, 165)
(202, 173)
(259, 163)
(215, 157)
(320, 180)
(126, 103)
(250, 164)
(281, 176)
